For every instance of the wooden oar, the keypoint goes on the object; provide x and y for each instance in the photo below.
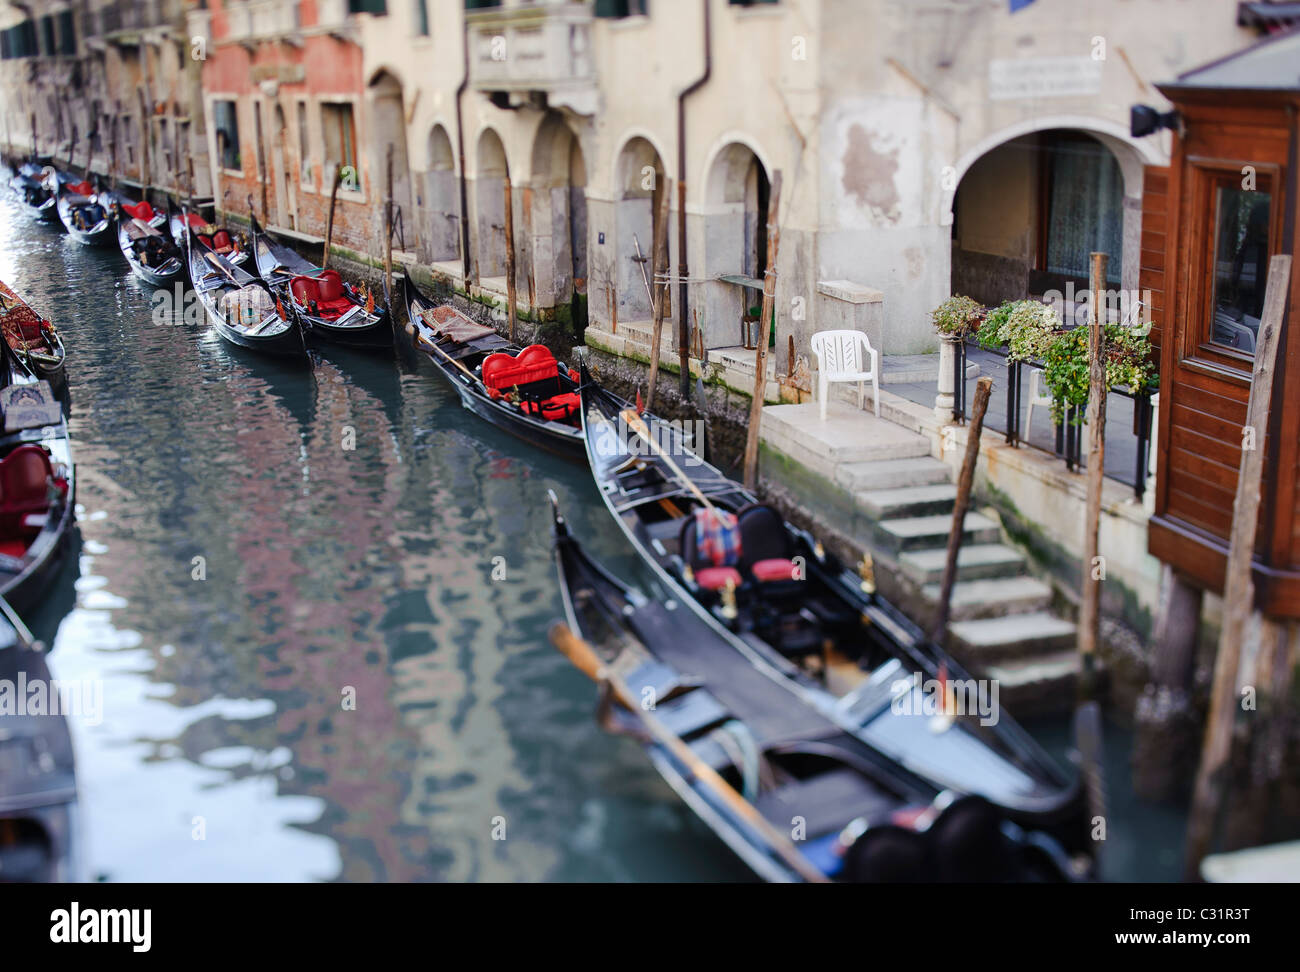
(420, 338)
(635, 423)
(585, 660)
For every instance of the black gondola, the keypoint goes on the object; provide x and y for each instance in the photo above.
(218, 239)
(145, 241)
(84, 211)
(34, 341)
(37, 198)
(37, 485)
(771, 592)
(39, 819)
(523, 391)
(862, 816)
(331, 310)
(241, 308)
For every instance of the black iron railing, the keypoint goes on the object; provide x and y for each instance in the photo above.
(1068, 435)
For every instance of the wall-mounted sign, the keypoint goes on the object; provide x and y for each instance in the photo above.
(281, 73)
(1044, 77)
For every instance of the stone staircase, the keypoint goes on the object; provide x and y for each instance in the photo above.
(1002, 625)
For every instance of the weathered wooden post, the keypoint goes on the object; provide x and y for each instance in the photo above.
(510, 259)
(661, 289)
(1089, 614)
(965, 480)
(329, 222)
(764, 330)
(1238, 587)
(388, 225)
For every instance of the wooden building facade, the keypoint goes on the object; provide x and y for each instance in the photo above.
(1228, 202)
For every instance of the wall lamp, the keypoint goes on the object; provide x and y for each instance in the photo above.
(1145, 120)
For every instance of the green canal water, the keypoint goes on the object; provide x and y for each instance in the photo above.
(411, 572)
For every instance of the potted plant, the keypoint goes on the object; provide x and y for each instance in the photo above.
(954, 319)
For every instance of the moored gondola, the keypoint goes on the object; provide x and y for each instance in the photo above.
(523, 391)
(37, 485)
(332, 311)
(39, 820)
(241, 308)
(84, 211)
(751, 757)
(145, 241)
(185, 223)
(36, 197)
(34, 341)
(773, 594)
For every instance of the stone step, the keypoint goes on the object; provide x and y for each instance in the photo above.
(846, 436)
(917, 532)
(880, 504)
(973, 562)
(994, 598)
(892, 474)
(996, 640)
(1042, 685)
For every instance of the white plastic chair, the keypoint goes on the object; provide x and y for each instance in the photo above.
(1036, 397)
(841, 356)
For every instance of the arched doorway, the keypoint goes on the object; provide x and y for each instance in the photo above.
(558, 210)
(640, 187)
(388, 128)
(490, 172)
(1028, 212)
(440, 207)
(736, 198)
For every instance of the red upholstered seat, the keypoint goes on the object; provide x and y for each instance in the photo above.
(141, 210)
(221, 242)
(197, 221)
(304, 289)
(775, 569)
(331, 285)
(717, 578)
(24, 488)
(534, 363)
(81, 189)
(14, 548)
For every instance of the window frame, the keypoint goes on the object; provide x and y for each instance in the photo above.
(1199, 350)
(216, 132)
(324, 103)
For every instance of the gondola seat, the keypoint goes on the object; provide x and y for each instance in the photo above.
(25, 476)
(535, 372)
(81, 189)
(766, 542)
(222, 242)
(325, 292)
(711, 547)
(141, 210)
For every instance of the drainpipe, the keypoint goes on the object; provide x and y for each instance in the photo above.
(683, 312)
(460, 149)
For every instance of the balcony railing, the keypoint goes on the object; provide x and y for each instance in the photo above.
(535, 48)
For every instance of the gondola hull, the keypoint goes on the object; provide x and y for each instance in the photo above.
(375, 336)
(161, 276)
(100, 234)
(36, 200)
(996, 760)
(558, 438)
(213, 277)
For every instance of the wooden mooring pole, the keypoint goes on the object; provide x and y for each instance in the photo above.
(510, 259)
(388, 226)
(1238, 587)
(660, 289)
(1089, 614)
(329, 223)
(983, 389)
(764, 330)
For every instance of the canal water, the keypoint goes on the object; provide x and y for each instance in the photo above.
(260, 545)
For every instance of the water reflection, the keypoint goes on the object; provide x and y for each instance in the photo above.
(262, 546)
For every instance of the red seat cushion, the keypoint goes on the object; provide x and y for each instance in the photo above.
(775, 569)
(14, 548)
(24, 477)
(304, 289)
(557, 408)
(81, 189)
(716, 578)
(533, 363)
(331, 286)
(141, 210)
(221, 242)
